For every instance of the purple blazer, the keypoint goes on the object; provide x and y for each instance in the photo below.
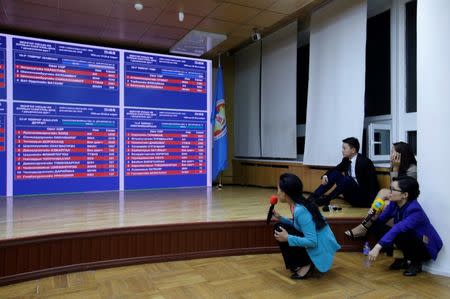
(410, 217)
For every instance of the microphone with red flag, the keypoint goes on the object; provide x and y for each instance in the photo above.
(273, 201)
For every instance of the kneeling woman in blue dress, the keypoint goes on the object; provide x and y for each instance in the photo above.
(306, 241)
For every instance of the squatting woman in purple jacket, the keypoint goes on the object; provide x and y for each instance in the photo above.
(412, 231)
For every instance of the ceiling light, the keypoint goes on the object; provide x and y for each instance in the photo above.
(196, 43)
(138, 6)
(180, 16)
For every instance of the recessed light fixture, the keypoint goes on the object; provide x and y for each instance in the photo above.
(181, 16)
(138, 6)
(196, 43)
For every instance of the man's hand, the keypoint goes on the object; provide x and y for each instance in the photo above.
(324, 180)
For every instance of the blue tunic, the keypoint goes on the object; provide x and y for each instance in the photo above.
(320, 245)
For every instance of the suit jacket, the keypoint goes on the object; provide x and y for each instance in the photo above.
(410, 217)
(365, 174)
(321, 246)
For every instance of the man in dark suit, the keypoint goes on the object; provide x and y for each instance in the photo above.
(354, 177)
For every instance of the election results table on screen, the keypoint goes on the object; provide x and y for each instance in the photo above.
(56, 72)
(2, 67)
(162, 142)
(2, 127)
(2, 148)
(165, 82)
(57, 141)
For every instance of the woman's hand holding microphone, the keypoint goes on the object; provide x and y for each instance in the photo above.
(281, 235)
(276, 216)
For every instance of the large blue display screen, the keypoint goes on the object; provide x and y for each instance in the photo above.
(87, 118)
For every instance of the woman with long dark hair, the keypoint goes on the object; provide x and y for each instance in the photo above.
(306, 241)
(403, 160)
(403, 163)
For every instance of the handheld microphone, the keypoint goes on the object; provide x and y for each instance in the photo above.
(377, 206)
(273, 201)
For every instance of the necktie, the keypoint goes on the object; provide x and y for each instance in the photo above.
(349, 170)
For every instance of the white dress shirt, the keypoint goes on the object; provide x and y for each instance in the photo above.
(353, 172)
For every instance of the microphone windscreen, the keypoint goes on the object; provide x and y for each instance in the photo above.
(378, 204)
(273, 200)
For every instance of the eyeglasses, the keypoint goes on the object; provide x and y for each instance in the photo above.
(392, 189)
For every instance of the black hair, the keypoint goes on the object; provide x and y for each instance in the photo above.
(410, 185)
(293, 187)
(353, 142)
(407, 157)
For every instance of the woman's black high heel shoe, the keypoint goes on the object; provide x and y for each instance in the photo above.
(349, 233)
(308, 274)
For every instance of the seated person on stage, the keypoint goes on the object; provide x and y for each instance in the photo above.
(412, 231)
(306, 241)
(403, 163)
(359, 182)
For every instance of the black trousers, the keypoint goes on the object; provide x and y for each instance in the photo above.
(293, 256)
(413, 248)
(346, 186)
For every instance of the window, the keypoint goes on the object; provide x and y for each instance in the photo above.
(301, 145)
(377, 135)
(411, 55)
(364, 144)
(380, 140)
(378, 65)
(412, 140)
(302, 91)
(302, 82)
(391, 98)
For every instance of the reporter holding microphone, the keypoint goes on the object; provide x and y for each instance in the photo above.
(306, 241)
(412, 231)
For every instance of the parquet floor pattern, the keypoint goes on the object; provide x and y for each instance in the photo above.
(237, 277)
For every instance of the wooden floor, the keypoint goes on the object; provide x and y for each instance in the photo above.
(255, 276)
(40, 215)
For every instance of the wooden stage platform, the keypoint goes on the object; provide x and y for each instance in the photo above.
(48, 235)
